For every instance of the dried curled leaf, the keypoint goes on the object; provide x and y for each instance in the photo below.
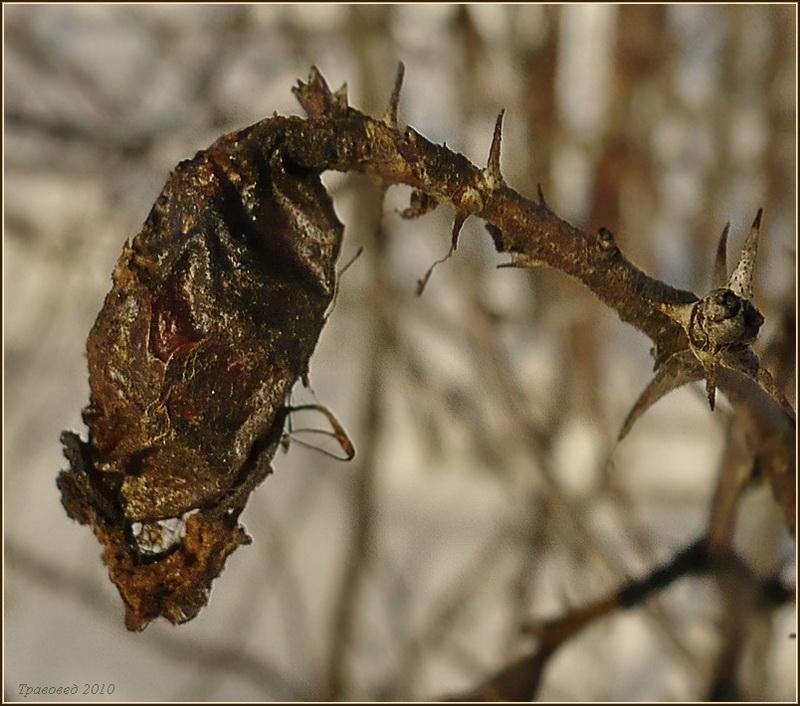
(215, 310)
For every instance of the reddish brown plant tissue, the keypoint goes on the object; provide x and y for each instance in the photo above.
(215, 310)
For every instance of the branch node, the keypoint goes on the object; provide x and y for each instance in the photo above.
(605, 239)
(420, 203)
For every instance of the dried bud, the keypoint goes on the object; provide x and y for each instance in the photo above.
(605, 239)
(721, 319)
(216, 308)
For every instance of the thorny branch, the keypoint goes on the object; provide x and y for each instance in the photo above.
(694, 337)
(338, 137)
(275, 164)
(521, 680)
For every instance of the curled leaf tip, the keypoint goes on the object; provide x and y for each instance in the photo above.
(422, 283)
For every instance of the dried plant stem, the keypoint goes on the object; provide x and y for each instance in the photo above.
(529, 232)
(336, 136)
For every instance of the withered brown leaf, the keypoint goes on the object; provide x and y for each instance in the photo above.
(215, 310)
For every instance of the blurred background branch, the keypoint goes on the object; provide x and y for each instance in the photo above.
(488, 489)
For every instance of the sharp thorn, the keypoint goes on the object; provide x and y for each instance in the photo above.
(316, 81)
(314, 76)
(768, 384)
(492, 172)
(711, 392)
(540, 195)
(391, 112)
(720, 273)
(710, 371)
(678, 370)
(741, 281)
(340, 98)
(458, 222)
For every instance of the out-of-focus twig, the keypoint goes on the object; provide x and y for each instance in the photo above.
(364, 502)
(520, 680)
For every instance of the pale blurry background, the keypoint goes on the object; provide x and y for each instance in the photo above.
(488, 488)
